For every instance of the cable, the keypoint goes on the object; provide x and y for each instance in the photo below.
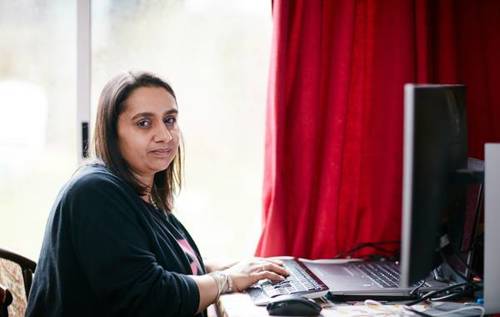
(470, 287)
(416, 288)
(447, 296)
(430, 294)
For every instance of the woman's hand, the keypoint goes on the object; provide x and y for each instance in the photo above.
(246, 273)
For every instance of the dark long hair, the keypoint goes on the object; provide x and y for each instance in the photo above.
(111, 104)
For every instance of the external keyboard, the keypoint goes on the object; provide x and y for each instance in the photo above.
(299, 281)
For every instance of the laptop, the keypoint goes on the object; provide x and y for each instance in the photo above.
(367, 279)
(343, 279)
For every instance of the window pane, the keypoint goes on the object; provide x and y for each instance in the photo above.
(38, 133)
(216, 56)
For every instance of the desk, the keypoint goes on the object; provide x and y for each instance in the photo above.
(240, 305)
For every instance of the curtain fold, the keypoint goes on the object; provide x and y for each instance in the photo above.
(333, 157)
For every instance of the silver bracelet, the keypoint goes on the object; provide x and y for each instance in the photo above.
(223, 281)
(229, 284)
(218, 281)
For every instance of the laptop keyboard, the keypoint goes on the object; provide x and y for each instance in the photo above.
(385, 274)
(299, 281)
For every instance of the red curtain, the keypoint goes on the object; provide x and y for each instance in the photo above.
(333, 159)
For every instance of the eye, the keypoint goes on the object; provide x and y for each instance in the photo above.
(143, 123)
(170, 121)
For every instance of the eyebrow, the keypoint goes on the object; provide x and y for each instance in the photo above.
(150, 114)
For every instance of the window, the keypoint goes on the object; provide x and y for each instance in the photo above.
(216, 56)
(38, 132)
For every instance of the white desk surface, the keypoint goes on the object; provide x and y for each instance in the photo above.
(241, 305)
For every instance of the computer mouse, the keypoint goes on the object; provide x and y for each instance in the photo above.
(293, 305)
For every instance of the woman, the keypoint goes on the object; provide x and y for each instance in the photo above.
(112, 246)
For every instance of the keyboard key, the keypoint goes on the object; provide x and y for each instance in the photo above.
(298, 281)
(384, 274)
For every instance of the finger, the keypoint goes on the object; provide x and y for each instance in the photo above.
(261, 266)
(276, 269)
(271, 276)
(275, 261)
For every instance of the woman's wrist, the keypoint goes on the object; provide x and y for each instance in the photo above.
(223, 281)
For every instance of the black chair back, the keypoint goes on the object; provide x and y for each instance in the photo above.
(27, 267)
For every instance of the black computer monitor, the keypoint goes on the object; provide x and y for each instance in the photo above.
(435, 148)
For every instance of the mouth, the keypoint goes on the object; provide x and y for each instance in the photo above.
(162, 152)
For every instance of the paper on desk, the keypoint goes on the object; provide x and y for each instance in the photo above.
(361, 309)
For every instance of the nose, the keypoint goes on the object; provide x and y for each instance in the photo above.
(162, 134)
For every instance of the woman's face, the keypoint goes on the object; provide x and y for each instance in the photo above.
(148, 135)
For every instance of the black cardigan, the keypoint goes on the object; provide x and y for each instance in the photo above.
(106, 253)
